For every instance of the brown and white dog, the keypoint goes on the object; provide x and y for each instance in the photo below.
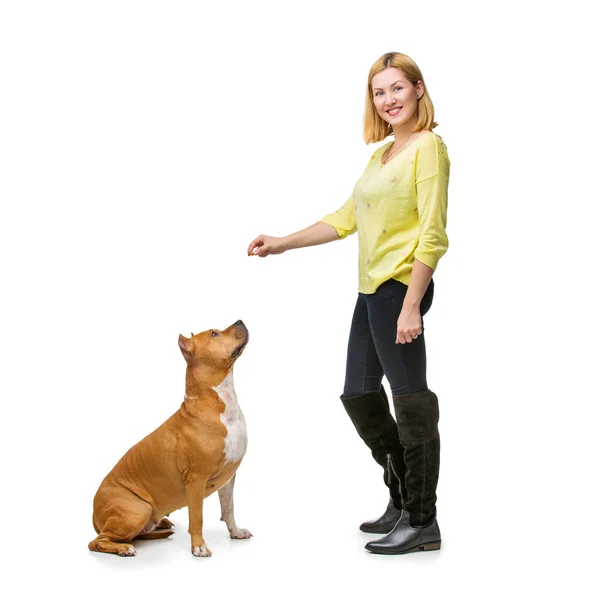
(194, 453)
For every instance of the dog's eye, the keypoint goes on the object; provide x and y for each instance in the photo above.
(213, 334)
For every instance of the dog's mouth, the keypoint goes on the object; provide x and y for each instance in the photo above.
(238, 349)
(241, 333)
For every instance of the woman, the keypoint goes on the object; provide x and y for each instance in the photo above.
(398, 207)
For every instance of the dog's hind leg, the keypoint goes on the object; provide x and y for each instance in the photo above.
(155, 530)
(122, 521)
(164, 523)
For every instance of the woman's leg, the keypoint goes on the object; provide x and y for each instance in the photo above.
(417, 413)
(367, 406)
(363, 369)
(404, 365)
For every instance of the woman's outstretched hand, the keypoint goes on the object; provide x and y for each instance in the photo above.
(409, 325)
(264, 245)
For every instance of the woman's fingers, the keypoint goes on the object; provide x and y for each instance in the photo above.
(256, 243)
(405, 339)
(405, 334)
(264, 245)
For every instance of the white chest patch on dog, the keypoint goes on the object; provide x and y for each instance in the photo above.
(236, 439)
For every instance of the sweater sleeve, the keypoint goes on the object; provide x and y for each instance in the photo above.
(344, 219)
(432, 176)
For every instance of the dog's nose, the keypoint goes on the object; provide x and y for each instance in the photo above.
(240, 322)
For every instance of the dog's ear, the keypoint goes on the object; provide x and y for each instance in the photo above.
(187, 346)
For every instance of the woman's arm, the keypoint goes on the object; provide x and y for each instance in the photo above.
(419, 281)
(432, 173)
(409, 321)
(319, 233)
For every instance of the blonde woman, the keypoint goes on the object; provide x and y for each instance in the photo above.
(398, 208)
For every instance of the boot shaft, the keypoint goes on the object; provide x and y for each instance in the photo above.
(374, 423)
(418, 416)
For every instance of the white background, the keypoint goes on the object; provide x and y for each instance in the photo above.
(145, 144)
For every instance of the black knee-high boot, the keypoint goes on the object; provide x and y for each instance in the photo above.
(417, 529)
(370, 414)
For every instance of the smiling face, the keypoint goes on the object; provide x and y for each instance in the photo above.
(395, 97)
(214, 348)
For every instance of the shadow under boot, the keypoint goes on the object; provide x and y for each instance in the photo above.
(371, 416)
(417, 529)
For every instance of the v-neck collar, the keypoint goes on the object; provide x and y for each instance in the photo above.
(382, 164)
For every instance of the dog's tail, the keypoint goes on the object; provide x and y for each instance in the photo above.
(157, 534)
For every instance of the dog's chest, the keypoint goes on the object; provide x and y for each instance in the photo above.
(236, 439)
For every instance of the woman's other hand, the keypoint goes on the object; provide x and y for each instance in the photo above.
(264, 245)
(409, 325)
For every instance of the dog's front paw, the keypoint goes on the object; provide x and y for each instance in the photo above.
(201, 551)
(240, 534)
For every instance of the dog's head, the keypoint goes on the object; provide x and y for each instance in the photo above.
(215, 348)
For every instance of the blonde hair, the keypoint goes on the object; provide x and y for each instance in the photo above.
(375, 128)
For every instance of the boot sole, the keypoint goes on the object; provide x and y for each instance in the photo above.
(421, 547)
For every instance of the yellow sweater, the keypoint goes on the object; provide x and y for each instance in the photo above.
(399, 211)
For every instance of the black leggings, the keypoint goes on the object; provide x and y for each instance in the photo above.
(372, 348)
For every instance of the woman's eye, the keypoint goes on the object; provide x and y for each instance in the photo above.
(398, 88)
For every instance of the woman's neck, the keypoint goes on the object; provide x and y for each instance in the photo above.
(403, 130)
